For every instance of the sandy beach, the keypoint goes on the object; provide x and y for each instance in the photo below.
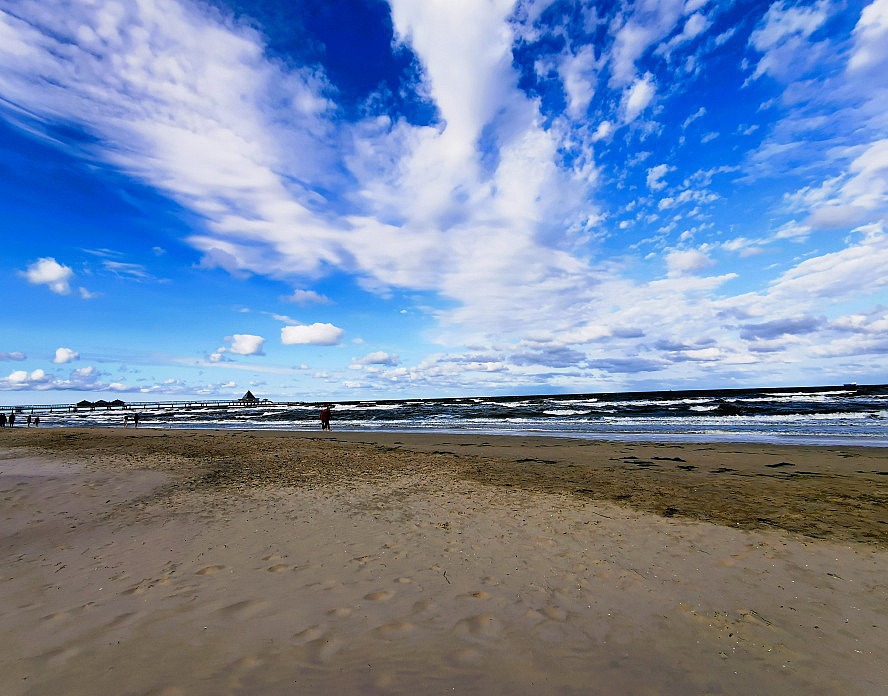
(242, 562)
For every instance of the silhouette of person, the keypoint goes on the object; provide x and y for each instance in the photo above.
(325, 418)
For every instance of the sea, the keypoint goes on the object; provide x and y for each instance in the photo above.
(849, 415)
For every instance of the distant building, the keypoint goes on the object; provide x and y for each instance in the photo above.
(248, 398)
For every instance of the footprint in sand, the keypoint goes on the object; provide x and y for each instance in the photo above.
(309, 634)
(466, 656)
(210, 570)
(480, 625)
(124, 619)
(340, 612)
(380, 596)
(323, 649)
(279, 568)
(424, 605)
(57, 616)
(243, 610)
(396, 629)
(246, 662)
(555, 613)
(136, 589)
(59, 656)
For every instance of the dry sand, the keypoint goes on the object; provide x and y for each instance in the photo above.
(214, 562)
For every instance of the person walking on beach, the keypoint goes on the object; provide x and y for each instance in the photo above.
(11, 418)
(29, 420)
(126, 421)
(325, 418)
(136, 419)
(36, 421)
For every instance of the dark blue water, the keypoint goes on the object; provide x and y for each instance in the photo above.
(826, 416)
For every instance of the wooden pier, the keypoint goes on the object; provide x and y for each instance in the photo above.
(119, 405)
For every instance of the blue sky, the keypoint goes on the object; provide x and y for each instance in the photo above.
(355, 199)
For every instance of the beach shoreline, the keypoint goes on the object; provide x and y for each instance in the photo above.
(255, 562)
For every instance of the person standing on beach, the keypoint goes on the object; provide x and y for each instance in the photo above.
(136, 419)
(2, 420)
(29, 420)
(36, 421)
(11, 418)
(325, 418)
(126, 421)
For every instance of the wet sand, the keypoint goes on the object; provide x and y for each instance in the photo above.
(207, 562)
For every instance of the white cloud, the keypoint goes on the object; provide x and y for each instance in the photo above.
(855, 270)
(871, 38)
(15, 355)
(783, 39)
(637, 97)
(699, 113)
(313, 334)
(378, 358)
(246, 344)
(578, 74)
(47, 271)
(655, 176)
(681, 262)
(192, 107)
(65, 355)
(638, 33)
(605, 128)
(695, 25)
(20, 380)
(783, 21)
(306, 297)
(850, 197)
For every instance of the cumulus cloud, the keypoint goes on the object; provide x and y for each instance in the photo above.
(655, 176)
(65, 355)
(312, 334)
(89, 379)
(49, 272)
(378, 358)
(20, 380)
(683, 261)
(246, 344)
